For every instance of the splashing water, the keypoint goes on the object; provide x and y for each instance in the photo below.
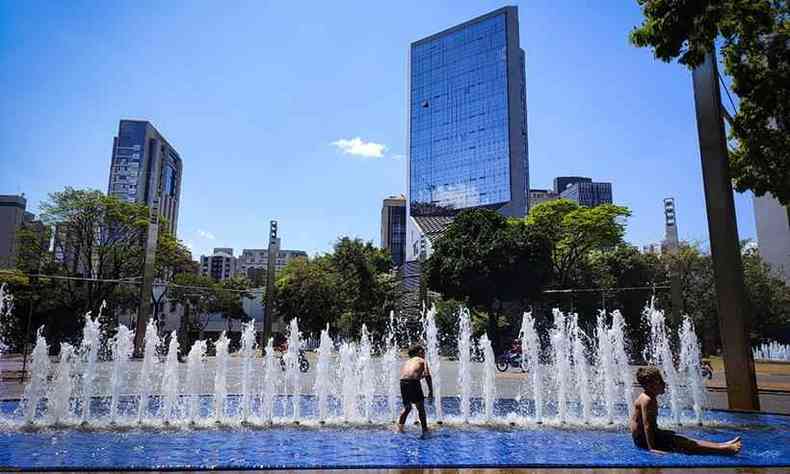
(269, 385)
(432, 354)
(464, 367)
(59, 396)
(293, 382)
(571, 387)
(368, 381)
(531, 358)
(247, 360)
(89, 351)
(39, 371)
(221, 377)
(170, 380)
(145, 381)
(690, 366)
(392, 373)
(122, 348)
(489, 378)
(323, 369)
(196, 360)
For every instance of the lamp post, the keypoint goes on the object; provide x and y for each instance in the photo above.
(157, 292)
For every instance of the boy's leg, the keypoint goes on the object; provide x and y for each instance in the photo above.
(423, 418)
(696, 446)
(403, 415)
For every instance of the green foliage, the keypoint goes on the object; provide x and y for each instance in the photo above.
(346, 288)
(483, 259)
(574, 232)
(755, 36)
(98, 237)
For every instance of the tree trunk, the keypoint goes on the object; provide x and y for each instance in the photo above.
(493, 329)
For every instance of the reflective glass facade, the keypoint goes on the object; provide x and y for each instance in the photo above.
(462, 96)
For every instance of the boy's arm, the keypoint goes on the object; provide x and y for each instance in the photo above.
(649, 414)
(428, 380)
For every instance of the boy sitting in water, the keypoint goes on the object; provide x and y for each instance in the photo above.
(646, 433)
(410, 388)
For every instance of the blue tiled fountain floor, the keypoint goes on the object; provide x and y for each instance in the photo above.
(766, 443)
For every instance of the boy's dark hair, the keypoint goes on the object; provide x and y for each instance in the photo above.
(415, 350)
(647, 375)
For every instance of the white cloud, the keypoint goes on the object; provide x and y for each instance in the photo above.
(398, 157)
(358, 147)
(205, 234)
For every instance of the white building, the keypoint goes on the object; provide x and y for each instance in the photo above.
(220, 266)
(773, 233)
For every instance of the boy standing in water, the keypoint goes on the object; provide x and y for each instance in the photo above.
(646, 433)
(410, 388)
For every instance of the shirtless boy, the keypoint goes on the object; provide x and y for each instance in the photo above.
(646, 433)
(410, 388)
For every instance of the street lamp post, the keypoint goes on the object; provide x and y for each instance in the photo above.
(157, 292)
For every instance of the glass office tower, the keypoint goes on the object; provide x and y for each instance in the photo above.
(467, 138)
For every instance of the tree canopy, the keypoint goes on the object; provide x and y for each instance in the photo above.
(345, 288)
(574, 231)
(755, 35)
(483, 259)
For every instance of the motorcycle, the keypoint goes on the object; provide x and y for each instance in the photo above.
(509, 359)
(304, 364)
(707, 369)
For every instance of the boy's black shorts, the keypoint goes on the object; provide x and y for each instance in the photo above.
(411, 391)
(665, 440)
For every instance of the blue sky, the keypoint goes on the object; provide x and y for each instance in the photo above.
(263, 100)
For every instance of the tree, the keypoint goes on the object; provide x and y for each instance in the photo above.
(755, 35)
(99, 238)
(308, 289)
(196, 294)
(348, 287)
(484, 260)
(574, 231)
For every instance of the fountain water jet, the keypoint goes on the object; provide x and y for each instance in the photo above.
(196, 360)
(247, 359)
(392, 373)
(122, 348)
(323, 369)
(170, 380)
(221, 377)
(432, 354)
(269, 385)
(39, 371)
(144, 383)
(531, 358)
(559, 345)
(293, 383)
(690, 366)
(489, 378)
(89, 351)
(464, 368)
(368, 380)
(59, 397)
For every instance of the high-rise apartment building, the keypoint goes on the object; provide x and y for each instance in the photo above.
(145, 167)
(393, 227)
(467, 122)
(14, 217)
(220, 266)
(252, 261)
(588, 194)
(538, 196)
(773, 233)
